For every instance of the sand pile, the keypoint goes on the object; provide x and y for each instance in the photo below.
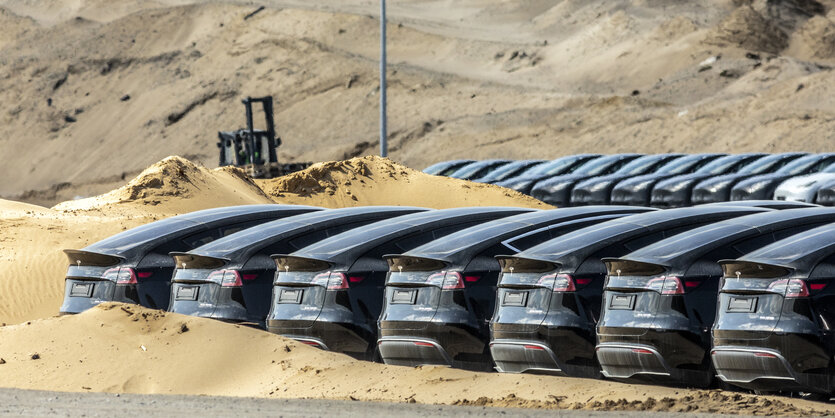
(126, 348)
(815, 39)
(176, 185)
(371, 180)
(746, 28)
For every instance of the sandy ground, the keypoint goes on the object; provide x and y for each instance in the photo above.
(94, 94)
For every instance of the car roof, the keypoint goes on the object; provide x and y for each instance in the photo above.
(150, 235)
(573, 248)
(680, 251)
(252, 239)
(461, 246)
(343, 249)
(770, 204)
(801, 252)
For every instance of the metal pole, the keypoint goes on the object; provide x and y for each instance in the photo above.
(383, 128)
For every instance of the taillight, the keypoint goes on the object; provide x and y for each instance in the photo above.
(557, 282)
(330, 280)
(666, 285)
(446, 280)
(227, 278)
(120, 275)
(790, 288)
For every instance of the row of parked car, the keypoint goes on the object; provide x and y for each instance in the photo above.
(739, 291)
(659, 180)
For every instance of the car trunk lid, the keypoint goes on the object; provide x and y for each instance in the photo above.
(632, 297)
(524, 294)
(196, 284)
(413, 292)
(751, 299)
(299, 291)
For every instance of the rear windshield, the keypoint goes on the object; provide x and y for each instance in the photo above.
(523, 279)
(746, 285)
(801, 165)
(296, 277)
(753, 270)
(136, 236)
(638, 166)
(192, 274)
(721, 165)
(629, 282)
(553, 167)
(412, 277)
(86, 271)
(683, 165)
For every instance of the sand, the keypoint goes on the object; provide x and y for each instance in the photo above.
(93, 95)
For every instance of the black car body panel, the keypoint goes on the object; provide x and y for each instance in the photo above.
(826, 195)
(676, 191)
(660, 301)
(776, 304)
(762, 187)
(440, 296)
(557, 190)
(768, 204)
(598, 190)
(143, 273)
(329, 294)
(508, 171)
(560, 166)
(718, 189)
(247, 253)
(549, 296)
(478, 169)
(637, 190)
(445, 168)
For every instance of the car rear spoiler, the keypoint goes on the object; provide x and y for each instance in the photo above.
(753, 269)
(624, 267)
(197, 261)
(399, 262)
(512, 263)
(295, 263)
(89, 258)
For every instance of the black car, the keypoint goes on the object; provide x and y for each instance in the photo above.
(763, 186)
(768, 204)
(549, 296)
(330, 294)
(478, 169)
(676, 191)
(511, 170)
(557, 190)
(776, 307)
(440, 296)
(445, 168)
(524, 182)
(660, 301)
(826, 194)
(134, 266)
(637, 190)
(718, 189)
(231, 279)
(598, 190)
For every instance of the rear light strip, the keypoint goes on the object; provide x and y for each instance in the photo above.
(448, 280)
(123, 275)
(227, 278)
(331, 280)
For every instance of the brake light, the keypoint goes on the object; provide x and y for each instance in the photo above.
(227, 278)
(817, 286)
(423, 344)
(144, 274)
(766, 355)
(120, 275)
(446, 280)
(330, 280)
(641, 351)
(666, 285)
(790, 288)
(558, 282)
(533, 347)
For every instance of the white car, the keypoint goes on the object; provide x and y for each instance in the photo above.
(804, 188)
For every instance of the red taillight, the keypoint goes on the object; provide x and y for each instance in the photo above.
(249, 277)
(558, 282)
(766, 355)
(533, 347)
(817, 286)
(423, 344)
(790, 288)
(641, 351)
(120, 275)
(226, 278)
(666, 285)
(355, 279)
(471, 279)
(446, 280)
(144, 274)
(330, 280)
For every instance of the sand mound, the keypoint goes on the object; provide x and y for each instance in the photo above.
(126, 348)
(814, 40)
(746, 28)
(176, 185)
(372, 180)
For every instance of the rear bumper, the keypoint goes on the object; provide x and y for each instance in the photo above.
(461, 345)
(624, 361)
(345, 337)
(100, 292)
(766, 369)
(410, 351)
(524, 357)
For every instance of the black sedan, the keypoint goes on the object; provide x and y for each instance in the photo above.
(478, 169)
(511, 170)
(134, 266)
(440, 296)
(330, 294)
(445, 168)
(231, 279)
(676, 191)
(636, 190)
(718, 189)
(549, 296)
(660, 300)
(776, 307)
(525, 181)
(763, 186)
(598, 190)
(557, 190)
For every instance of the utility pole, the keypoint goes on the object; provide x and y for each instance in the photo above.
(383, 128)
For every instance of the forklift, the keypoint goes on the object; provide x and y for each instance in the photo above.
(254, 149)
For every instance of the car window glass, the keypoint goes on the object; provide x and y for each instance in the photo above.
(719, 166)
(676, 167)
(758, 166)
(238, 227)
